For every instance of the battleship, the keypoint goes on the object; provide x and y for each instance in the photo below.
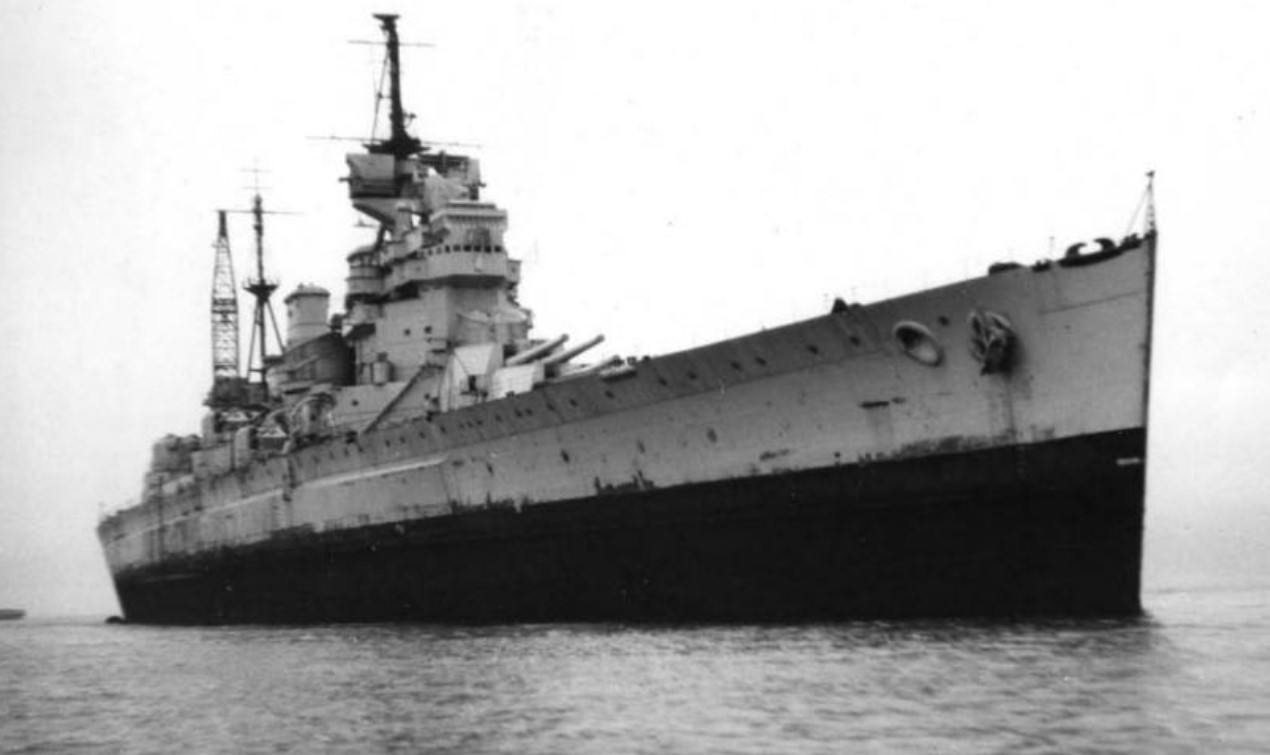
(974, 449)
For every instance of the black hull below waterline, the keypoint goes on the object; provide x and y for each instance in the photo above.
(1051, 528)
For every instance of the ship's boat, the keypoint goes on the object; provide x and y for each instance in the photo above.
(11, 614)
(970, 450)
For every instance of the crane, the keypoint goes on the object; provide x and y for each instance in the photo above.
(224, 309)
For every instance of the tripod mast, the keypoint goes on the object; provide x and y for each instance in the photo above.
(261, 288)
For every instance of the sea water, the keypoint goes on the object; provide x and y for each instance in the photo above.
(1193, 675)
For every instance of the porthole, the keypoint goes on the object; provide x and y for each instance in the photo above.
(917, 343)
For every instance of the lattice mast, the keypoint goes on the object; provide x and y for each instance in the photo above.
(261, 288)
(224, 310)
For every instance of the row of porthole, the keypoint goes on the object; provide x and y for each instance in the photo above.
(711, 435)
(449, 248)
(812, 349)
(473, 424)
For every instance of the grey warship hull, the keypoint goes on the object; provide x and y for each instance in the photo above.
(1001, 532)
(814, 471)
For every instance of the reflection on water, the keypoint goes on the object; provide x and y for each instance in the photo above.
(1192, 675)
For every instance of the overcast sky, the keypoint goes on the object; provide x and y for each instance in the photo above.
(676, 172)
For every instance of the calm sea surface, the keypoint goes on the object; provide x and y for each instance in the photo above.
(1193, 676)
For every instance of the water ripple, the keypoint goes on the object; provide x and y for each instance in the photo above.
(1193, 676)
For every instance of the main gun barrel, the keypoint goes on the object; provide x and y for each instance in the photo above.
(533, 353)
(565, 356)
